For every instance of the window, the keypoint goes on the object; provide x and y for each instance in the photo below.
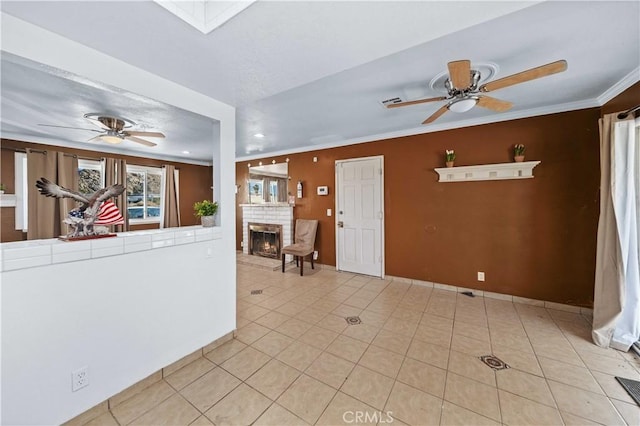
(143, 193)
(273, 190)
(90, 176)
(255, 191)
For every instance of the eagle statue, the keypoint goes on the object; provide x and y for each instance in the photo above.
(81, 219)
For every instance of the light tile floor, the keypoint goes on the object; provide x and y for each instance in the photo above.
(412, 360)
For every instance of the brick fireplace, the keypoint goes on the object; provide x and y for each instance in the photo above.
(266, 215)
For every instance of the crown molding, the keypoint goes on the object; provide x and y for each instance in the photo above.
(514, 115)
(627, 81)
(622, 85)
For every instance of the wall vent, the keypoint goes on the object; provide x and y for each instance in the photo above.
(389, 101)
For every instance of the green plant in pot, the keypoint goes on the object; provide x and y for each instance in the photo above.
(1, 188)
(518, 153)
(206, 211)
(449, 157)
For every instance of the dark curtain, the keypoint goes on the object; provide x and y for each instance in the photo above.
(171, 198)
(46, 214)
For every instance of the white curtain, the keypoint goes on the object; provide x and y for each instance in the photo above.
(616, 316)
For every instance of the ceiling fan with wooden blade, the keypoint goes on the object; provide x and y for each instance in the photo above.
(464, 92)
(114, 130)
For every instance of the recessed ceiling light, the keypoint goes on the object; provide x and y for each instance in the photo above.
(258, 135)
(186, 152)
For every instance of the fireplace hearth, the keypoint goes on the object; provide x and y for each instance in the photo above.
(265, 239)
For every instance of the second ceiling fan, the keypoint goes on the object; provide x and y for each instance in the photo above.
(464, 92)
(114, 130)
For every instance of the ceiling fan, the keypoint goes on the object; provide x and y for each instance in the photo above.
(114, 130)
(464, 92)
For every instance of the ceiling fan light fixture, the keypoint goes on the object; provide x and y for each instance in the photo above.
(462, 105)
(111, 138)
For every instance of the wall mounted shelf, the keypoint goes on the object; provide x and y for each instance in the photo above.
(499, 171)
(7, 200)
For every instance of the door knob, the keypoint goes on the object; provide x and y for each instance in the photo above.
(340, 224)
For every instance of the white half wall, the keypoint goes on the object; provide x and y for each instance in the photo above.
(124, 317)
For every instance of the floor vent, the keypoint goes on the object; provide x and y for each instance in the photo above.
(353, 320)
(494, 362)
(632, 387)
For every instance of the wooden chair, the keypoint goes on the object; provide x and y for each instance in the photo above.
(303, 243)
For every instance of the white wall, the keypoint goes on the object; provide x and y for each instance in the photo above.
(123, 316)
(135, 320)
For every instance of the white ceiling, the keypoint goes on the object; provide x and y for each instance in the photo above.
(34, 94)
(311, 74)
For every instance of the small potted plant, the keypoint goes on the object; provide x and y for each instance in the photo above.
(1, 188)
(206, 211)
(518, 153)
(449, 157)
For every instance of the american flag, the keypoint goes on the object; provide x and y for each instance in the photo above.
(109, 214)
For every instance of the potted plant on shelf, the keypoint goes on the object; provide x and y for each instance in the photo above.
(1, 188)
(518, 153)
(449, 157)
(206, 211)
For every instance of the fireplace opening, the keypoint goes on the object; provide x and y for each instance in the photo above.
(265, 240)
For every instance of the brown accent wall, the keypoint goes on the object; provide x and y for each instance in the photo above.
(195, 183)
(533, 238)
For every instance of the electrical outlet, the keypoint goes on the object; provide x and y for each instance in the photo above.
(241, 243)
(79, 379)
(315, 255)
(480, 276)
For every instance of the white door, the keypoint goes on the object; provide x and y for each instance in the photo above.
(359, 216)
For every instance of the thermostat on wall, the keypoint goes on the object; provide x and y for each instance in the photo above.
(323, 190)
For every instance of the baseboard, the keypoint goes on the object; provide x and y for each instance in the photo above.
(500, 296)
(138, 387)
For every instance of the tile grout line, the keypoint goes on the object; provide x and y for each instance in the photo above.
(495, 375)
(537, 356)
(355, 365)
(403, 362)
(446, 375)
